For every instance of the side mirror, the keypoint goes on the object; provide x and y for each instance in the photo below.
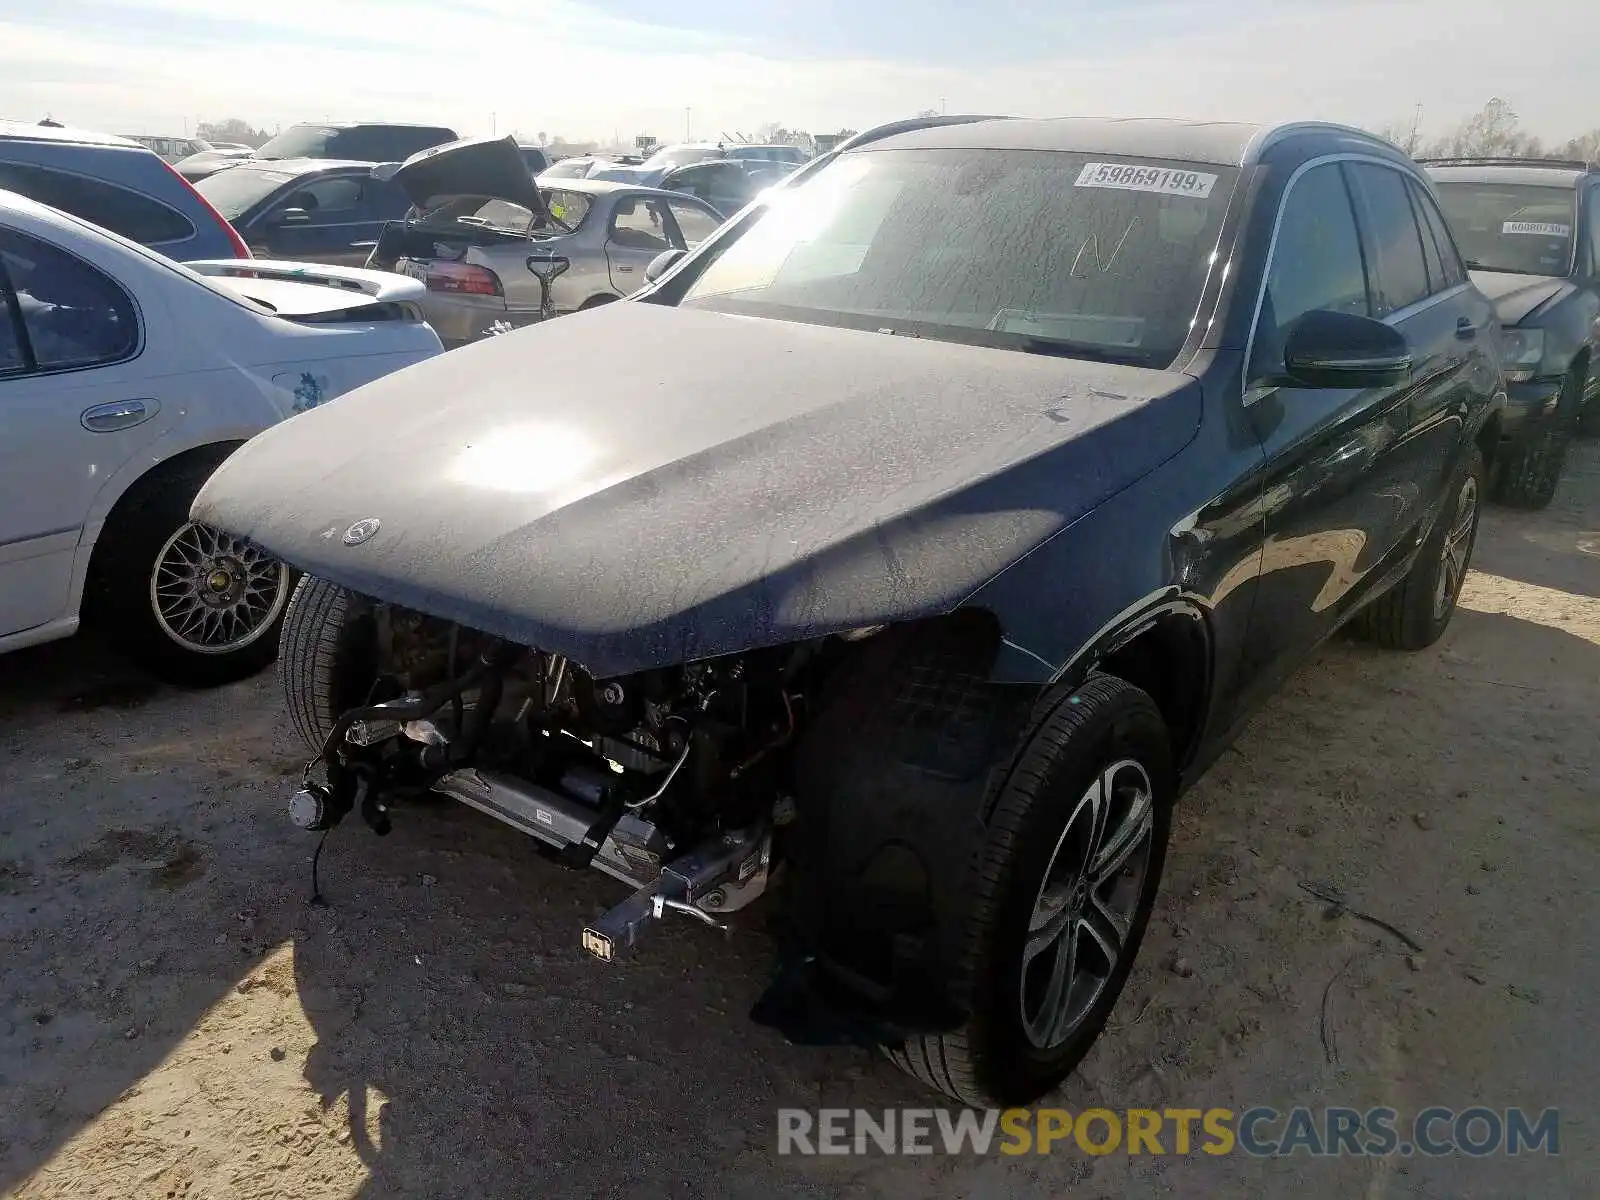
(290, 216)
(1341, 350)
(662, 263)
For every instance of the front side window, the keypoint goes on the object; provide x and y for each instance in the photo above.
(694, 222)
(1391, 237)
(73, 315)
(327, 199)
(134, 216)
(1521, 229)
(1093, 256)
(1316, 264)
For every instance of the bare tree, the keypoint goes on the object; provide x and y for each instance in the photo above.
(1402, 134)
(1494, 130)
(1585, 146)
(231, 130)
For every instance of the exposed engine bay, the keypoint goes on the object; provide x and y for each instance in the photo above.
(674, 781)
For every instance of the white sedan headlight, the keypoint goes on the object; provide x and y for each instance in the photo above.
(1524, 350)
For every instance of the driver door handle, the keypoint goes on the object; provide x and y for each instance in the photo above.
(119, 414)
(1465, 329)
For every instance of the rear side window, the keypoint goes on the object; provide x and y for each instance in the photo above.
(1437, 233)
(136, 217)
(72, 315)
(380, 144)
(1316, 263)
(639, 224)
(1391, 236)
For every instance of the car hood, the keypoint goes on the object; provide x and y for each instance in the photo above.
(488, 167)
(1516, 297)
(738, 482)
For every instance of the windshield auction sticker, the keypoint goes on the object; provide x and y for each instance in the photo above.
(1131, 177)
(1537, 228)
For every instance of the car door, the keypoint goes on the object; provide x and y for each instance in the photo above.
(75, 404)
(321, 220)
(1329, 516)
(381, 202)
(640, 228)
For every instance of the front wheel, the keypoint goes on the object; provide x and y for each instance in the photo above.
(1064, 887)
(192, 604)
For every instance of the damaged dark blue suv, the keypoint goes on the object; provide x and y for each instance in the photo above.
(934, 524)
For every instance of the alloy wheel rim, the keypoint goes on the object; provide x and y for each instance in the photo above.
(213, 593)
(1457, 551)
(1083, 914)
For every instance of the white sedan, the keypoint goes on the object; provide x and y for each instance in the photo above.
(125, 378)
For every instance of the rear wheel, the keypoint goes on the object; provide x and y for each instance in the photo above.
(1064, 887)
(190, 603)
(1414, 614)
(1529, 472)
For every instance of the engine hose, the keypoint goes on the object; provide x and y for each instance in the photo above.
(416, 708)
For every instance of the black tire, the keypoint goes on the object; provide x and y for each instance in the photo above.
(328, 657)
(152, 528)
(991, 1061)
(1414, 614)
(595, 301)
(1529, 472)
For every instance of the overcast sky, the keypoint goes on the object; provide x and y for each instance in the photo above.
(588, 68)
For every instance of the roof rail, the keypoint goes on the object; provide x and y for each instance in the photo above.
(1574, 164)
(878, 133)
(911, 125)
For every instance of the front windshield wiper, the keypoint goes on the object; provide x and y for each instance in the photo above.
(1061, 349)
(1473, 264)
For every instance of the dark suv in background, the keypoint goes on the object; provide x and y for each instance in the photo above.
(361, 141)
(1530, 232)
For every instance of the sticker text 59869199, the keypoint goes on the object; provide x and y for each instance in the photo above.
(1131, 177)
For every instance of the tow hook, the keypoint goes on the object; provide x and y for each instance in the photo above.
(735, 857)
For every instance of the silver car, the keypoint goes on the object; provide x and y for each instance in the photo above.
(479, 225)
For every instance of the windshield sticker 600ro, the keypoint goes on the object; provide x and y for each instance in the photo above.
(1537, 228)
(1131, 177)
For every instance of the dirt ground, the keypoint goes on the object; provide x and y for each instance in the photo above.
(176, 1021)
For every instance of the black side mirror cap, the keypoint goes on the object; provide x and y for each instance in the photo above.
(1327, 349)
(662, 263)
